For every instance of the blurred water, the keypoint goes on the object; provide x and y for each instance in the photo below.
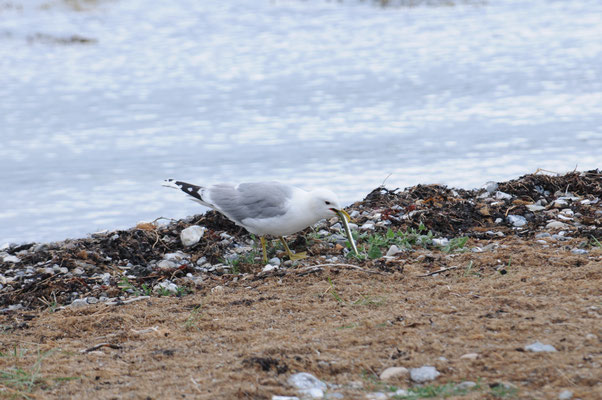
(314, 93)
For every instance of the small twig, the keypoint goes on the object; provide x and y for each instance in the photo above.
(98, 346)
(347, 266)
(437, 272)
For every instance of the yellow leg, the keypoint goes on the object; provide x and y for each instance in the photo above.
(291, 256)
(265, 254)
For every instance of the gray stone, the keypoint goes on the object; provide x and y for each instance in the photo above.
(535, 207)
(79, 303)
(539, 347)
(491, 187)
(502, 196)
(565, 395)
(424, 374)
(285, 398)
(274, 261)
(440, 241)
(393, 250)
(400, 393)
(579, 251)
(337, 226)
(303, 380)
(517, 220)
(166, 264)
(177, 256)
(367, 226)
(166, 285)
(542, 235)
(11, 259)
(192, 235)
(556, 225)
(376, 396)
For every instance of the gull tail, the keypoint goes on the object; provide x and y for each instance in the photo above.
(197, 192)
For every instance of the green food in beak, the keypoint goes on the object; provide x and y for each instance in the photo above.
(345, 218)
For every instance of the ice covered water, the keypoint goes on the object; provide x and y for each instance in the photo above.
(102, 101)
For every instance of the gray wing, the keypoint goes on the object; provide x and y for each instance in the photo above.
(251, 200)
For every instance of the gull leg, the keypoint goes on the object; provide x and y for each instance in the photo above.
(291, 256)
(265, 255)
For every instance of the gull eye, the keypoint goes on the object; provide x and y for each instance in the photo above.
(327, 203)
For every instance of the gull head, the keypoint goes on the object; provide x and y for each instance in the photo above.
(325, 204)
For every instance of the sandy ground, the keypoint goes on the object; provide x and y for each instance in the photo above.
(243, 339)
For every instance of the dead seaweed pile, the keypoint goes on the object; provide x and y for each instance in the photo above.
(150, 256)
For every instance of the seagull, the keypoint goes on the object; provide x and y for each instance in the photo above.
(268, 208)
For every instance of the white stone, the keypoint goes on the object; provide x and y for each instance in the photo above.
(303, 380)
(367, 226)
(269, 267)
(539, 347)
(285, 398)
(274, 261)
(424, 374)
(177, 256)
(440, 241)
(11, 259)
(565, 395)
(517, 220)
(79, 303)
(393, 372)
(535, 207)
(502, 196)
(166, 264)
(192, 235)
(556, 225)
(491, 187)
(166, 285)
(399, 393)
(393, 250)
(376, 396)
(312, 393)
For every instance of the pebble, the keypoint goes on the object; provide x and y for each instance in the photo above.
(376, 396)
(502, 196)
(539, 347)
(353, 226)
(307, 384)
(274, 261)
(542, 235)
(491, 187)
(269, 267)
(336, 227)
(565, 395)
(191, 235)
(556, 225)
(166, 285)
(79, 303)
(579, 251)
(517, 220)
(469, 356)
(166, 264)
(354, 214)
(465, 385)
(424, 374)
(393, 372)
(393, 250)
(285, 398)
(11, 259)
(440, 241)
(367, 226)
(177, 256)
(535, 207)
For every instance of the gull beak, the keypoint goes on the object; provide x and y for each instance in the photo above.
(342, 214)
(345, 218)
